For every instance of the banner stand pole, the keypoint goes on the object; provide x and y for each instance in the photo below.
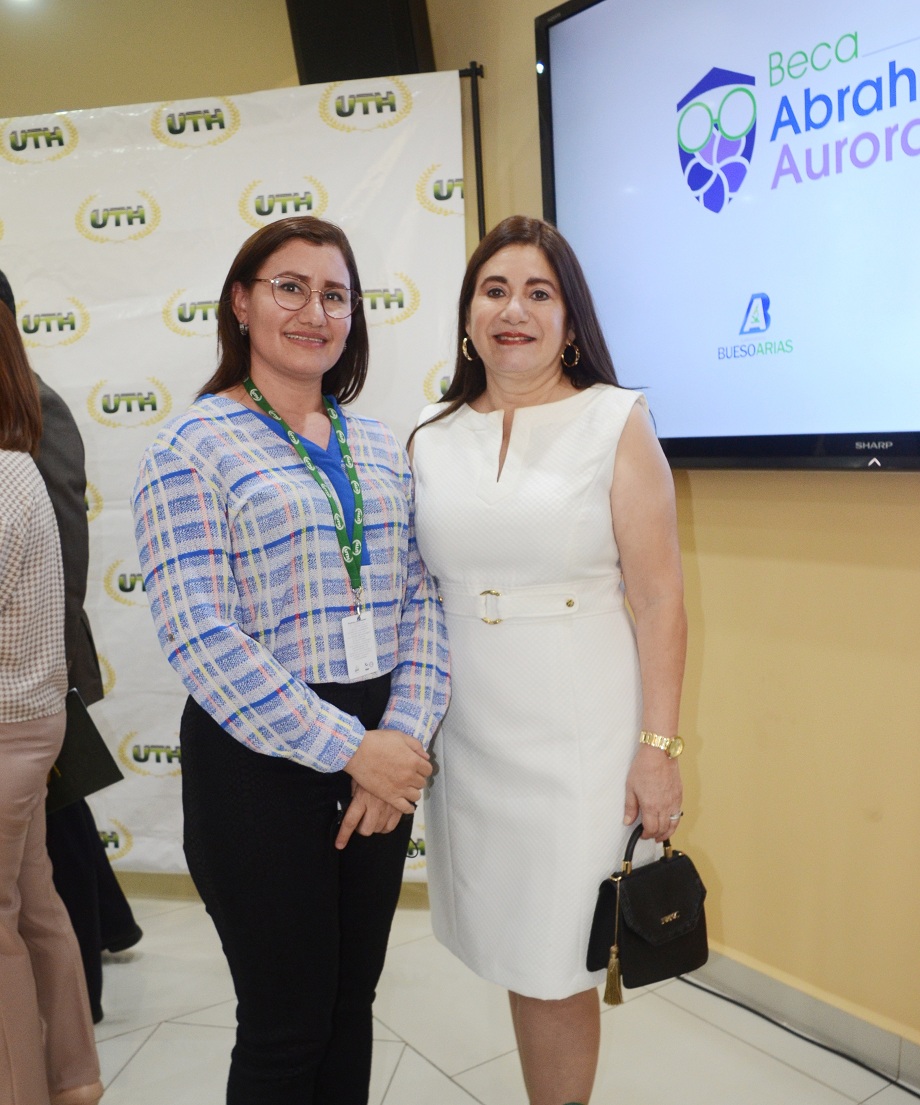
(474, 72)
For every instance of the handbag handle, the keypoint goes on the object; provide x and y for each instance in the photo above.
(634, 838)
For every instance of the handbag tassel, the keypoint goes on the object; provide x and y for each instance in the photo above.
(613, 992)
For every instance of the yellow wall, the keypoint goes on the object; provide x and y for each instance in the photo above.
(59, 55)
(802, 704)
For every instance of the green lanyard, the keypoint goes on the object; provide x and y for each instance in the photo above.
(351, 551)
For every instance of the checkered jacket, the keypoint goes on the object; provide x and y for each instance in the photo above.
(33, 671)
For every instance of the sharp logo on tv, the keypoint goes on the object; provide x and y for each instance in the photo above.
(716, 128)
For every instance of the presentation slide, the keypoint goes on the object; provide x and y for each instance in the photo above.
(741, 182)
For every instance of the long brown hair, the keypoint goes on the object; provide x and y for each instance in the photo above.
(595, 365)
(20, 406)
(346, 377)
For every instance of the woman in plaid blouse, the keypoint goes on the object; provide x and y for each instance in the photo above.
(280, 562)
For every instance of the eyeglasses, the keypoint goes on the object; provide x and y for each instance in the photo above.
(293, 295)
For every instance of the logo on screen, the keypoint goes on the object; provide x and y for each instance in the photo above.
(716, 126)
(757, 315)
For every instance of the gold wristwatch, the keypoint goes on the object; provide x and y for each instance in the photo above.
(672, 746)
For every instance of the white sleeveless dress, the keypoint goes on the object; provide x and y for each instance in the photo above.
(524, 815)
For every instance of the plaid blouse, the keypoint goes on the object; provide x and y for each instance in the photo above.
(247, 587)
(33, 671)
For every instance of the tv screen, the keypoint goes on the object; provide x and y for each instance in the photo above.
(741, 183)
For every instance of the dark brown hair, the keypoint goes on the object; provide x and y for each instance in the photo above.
(346, 377)
(20, 406)
(595, 365)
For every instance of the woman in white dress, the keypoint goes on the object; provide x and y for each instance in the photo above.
(544, 500)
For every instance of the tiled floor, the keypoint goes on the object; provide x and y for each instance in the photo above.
(443, 1037)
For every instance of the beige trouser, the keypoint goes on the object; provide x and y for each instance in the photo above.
(46, 1031)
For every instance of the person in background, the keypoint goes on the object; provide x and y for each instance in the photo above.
(83, 876)
(46, 1032)
(544, 500)
(276, 538)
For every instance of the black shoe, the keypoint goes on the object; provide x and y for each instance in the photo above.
(122, 943)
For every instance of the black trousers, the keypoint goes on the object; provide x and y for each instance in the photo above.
(304, 926)
(84, 879)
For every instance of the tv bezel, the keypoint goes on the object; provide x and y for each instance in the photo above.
(868, 451)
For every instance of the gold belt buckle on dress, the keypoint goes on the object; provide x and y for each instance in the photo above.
(484, 595)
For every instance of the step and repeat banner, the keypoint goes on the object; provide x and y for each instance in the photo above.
(117, 227)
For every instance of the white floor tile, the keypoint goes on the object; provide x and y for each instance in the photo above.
(387, 1054)
(439, 1007)
(840, 1074)
(222, 1015)
(142, 908)
(409, 925)
(116, 1053)
(893, 1095)
(176, 969)
(418, 1082)
(179, 1064)
(444, 1037)
(381, 1032)
(498, 1082)
(654, 1053)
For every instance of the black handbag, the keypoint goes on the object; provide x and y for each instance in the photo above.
(84, 764)
(649, 923)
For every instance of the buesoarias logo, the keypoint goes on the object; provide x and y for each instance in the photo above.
(757, 320)
(716, 128)
(47, 138)
(365, 105)
(123, 218)
(195, 124)
(259, 206)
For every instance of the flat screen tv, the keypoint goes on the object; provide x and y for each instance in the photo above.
(741, 182)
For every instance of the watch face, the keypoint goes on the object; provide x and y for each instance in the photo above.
(676, 747)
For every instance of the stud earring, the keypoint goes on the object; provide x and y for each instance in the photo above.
(244, 328)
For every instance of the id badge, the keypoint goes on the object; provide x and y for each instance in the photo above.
(360, 645)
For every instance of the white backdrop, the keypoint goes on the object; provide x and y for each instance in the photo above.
(117, 227)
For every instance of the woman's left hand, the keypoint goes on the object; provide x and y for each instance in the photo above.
(653, 790)
(367, 814)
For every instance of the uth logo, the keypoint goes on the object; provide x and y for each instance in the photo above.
(353, 106)
(716, 128)
(186, 125)
(48, 141)
(44, 329)
(190, 318)
(392, 305)
(257, 205)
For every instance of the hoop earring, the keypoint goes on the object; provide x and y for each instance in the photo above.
(570, 364)
(464, 345)
(244, 328)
